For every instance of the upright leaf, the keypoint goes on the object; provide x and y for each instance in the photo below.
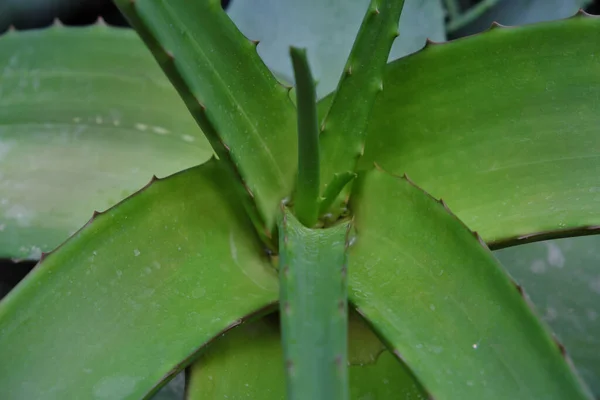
(314, 309)
(129, 299)
(437, 296)
(245, 113)
(343, 132)
(503, 126)
(306, 201)
(86, 117)
(247, 363)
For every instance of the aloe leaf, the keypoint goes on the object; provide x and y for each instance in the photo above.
(247, 363)
(343, 131)
(246, 114)
(179, 258)
(327, 29)
(506, 131)
(314, 309)
(433, 291)
(79, 130)
(561, 277)
(306, 202)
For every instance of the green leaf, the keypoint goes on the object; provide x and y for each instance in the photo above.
(86, 118)
(343, 131)
(438, 297)
(306, 201)
(314, 309)
(139, 290)
(327, 29)
(246, 114)
(503, 126)
(247, 363)
(562, 279)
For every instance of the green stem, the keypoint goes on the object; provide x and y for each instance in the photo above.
(306, 202)
(314, 309)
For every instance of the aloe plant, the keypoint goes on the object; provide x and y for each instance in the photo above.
(327, 211)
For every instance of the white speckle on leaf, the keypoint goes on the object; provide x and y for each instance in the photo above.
(76, 119)
(4, 149)
(141, 127)
(160, 130)
(538, 267)
(136, 252)
(432, 307)
(19, 213)
(119, 273)
(555, 255)
(592, 315)
(98, 119)
(475, 346)
(35, 253)
(188, 138)
(595, 284)
(116, 122)
(551, 314)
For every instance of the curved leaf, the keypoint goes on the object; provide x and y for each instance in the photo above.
(503, 126)
(442, 302)
(248, 364)
(246, 114)
(179, 258)
(563, 280)
(86, 117)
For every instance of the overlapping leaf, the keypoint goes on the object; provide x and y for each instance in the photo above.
(128, 299)
(437, 296)
(86, 117)
(248, 363)
(503, 126)
(246, 114)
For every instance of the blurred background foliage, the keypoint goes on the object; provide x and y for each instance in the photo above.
(561, 277)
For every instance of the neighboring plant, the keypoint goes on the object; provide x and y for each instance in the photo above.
(502, 125)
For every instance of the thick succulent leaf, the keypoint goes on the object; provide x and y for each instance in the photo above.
(247, 363)
(246, 114)
(343, 131)
(86, 117)
(436, 295)
(314, 309)
(503, 126)
(128, 299)
(327, 29)
(563, 281)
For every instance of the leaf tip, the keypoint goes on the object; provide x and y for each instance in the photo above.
(582, 13)
(100, 21)
(43, 256)
(399, 355)
(431, 43)
(561, 347)
(495, 25)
